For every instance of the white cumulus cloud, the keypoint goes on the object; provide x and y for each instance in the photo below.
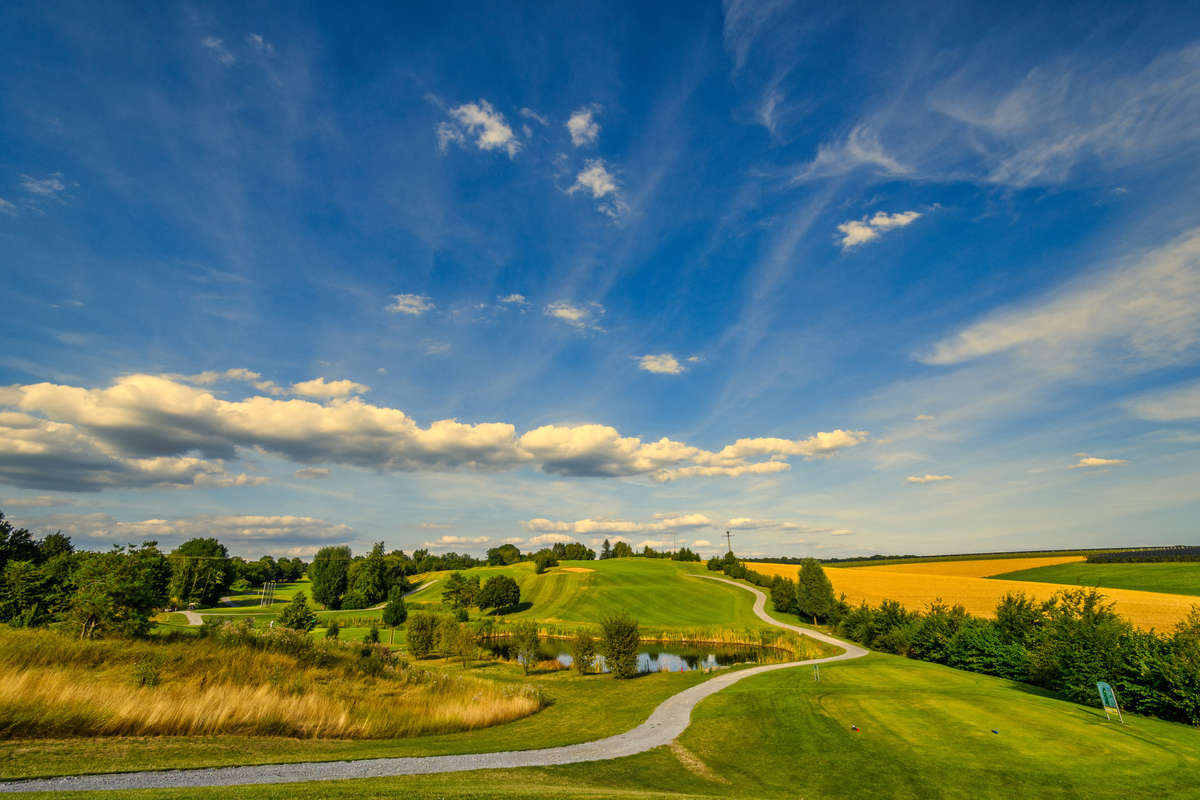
(660, 364)
(319, 387)
(583, 127)
(413, 305)
(856, 232)
(1094, 461)
(478, 123)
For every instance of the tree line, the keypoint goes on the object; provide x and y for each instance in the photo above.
(1147, 555)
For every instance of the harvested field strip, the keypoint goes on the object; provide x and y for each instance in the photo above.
(979, 596)
(977, 568)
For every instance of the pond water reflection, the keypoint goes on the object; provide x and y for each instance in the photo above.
(653, 657)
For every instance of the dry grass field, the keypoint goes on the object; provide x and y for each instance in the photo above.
(966, 582)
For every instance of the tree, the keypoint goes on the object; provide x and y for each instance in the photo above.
(328, 572)
(370, 577)
(544, 560)
(421, 627)
(395, 612)
(619, 643)
(525, 643)
(684, 554)
(622, 550)
(499, 592)
(460, 591)
(503, 555)
(814, 591)
(119, 590)
(297, 614)
(783, 595)
(583, 652)
(606, 550)
(201, 572)
(333, 630)
(372, 635)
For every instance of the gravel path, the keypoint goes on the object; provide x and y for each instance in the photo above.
(667, 721)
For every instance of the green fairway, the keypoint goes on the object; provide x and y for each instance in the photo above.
(925, 731)
(661, 594)
(1170, 577)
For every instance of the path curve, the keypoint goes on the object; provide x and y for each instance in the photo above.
(669, 720)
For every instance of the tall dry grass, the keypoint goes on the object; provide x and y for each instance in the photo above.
(51, 685)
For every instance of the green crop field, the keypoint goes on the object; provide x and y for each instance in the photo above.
(925, 731)
(1170, 577)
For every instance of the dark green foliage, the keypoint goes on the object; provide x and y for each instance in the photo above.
(328, 572)
(525, 643)
(543, 560)
(1146, 555)
(685, 554)
(395, 612)
(498, 593)
(459, 591)
(201, 572)
(421, 630)
(583, 652)
(606, 550)
(119, 590)
(367, 578)
(353, 600)
(619, 645)
(372, 635)
(814, 592)
(333, 630)
(572, 551)
(783, 595)
(297, 615)
(622, 550)
(503, 555)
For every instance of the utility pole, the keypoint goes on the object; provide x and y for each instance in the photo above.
(728, 538)
(673, 535)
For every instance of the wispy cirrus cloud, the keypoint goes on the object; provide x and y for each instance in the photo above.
(860, 149)
(926, 478)
(583, 316)
(1089, 462)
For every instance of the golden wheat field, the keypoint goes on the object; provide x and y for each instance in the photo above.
(916, 585)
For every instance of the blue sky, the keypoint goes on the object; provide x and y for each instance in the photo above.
(895, 278)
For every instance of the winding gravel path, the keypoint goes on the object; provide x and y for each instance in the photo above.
(670, 719)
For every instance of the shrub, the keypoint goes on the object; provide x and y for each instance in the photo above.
(583, 652)
(333, 630)
(297, 615)
(354, 600)
(421, 627)
(525, 643)
(372, 635)
(619, 645)
(395, 612)
(499, 592)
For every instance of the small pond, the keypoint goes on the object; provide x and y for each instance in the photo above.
(653, 657)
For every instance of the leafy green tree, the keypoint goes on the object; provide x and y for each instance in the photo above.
(503, 555)
(460, 591)
(684, 554)
(606, 550)
(297, 614)
(333, 630)
(814, 591)
(543, 561)
(201, 572)
(498, 593)
(525, 643)
(583, 652)
(421, 628)
(622, 550)
(370, 577)
(395, 612)
(119, 590)
(619, 643)
(328, 573)
(1018, 618)
(783, 595)
(16, 544)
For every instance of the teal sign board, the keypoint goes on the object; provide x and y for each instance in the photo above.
(1107, 698)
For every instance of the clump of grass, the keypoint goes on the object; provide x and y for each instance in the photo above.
(55, 686)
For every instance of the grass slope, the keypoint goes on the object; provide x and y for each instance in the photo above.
(1172, 578)
(661, 594)
(925, 732)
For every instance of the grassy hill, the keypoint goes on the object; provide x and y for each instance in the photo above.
(1170, 577)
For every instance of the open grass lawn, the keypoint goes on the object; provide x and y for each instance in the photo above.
(1173, 578)
(925, 732)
